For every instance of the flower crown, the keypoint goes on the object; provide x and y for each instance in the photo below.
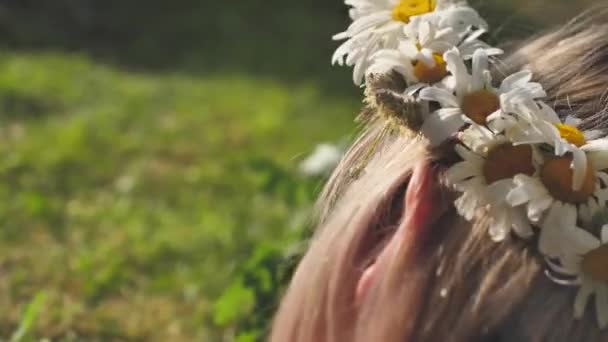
(536, 175)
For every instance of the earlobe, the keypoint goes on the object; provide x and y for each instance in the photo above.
(365, 283)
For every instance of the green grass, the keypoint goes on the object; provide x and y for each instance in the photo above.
(130, 199)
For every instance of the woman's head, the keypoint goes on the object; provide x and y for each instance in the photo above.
(393, 261)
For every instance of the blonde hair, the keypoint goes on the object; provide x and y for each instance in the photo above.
(455, 284)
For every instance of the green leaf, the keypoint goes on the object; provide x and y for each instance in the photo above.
(238, 300)
(251, 336)
(31, 313)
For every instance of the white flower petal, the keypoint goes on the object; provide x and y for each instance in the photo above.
(538, 207)
(468, 48)
(518, 196)
(581, 242)
(369, 21)
(409, 49)
(599, 145)
(441, 124)
(468, 205)
(480, 67)
(459, 70)
(425, 32)
(535, 90)
(500, 227)
(579, 168)
(473, 36)
(443, 96)
(573, 121)
(571, 265)
(461, 18)
(469, 156)
(569, 216)
(516, 80)
(344, 49)
(520, 223)
(587, 210)
(498, 191)
(547, 113)
(461, 171)
(582, 298)
(426, 57)
(526, 189)
(359, 73)
(551, 242)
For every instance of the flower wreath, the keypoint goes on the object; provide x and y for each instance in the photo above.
(535, 174)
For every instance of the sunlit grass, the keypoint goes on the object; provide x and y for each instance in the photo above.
(130, 198)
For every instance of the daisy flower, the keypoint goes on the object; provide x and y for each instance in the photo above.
(545, 126)
(572, 173)
(379, 24)
(485, 177)
(584, 257)
(552, 203)
(474, 99)
(570, 185)
(419, 57)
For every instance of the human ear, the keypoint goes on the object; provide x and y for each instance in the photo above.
(422, 209)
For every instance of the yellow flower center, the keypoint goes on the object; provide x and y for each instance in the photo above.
(595, 264)
(479, 105)
(411, 8)
(430, 75)
(572, 134)
(506, 161)
(557, 176)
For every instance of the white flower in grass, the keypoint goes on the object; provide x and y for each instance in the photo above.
(543, 126)
(379, 24)
(419, 57)
(322, 161)
(473, 99)
(584, 257)
(485, 177)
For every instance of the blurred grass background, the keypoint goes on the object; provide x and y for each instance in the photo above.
(149, 157)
